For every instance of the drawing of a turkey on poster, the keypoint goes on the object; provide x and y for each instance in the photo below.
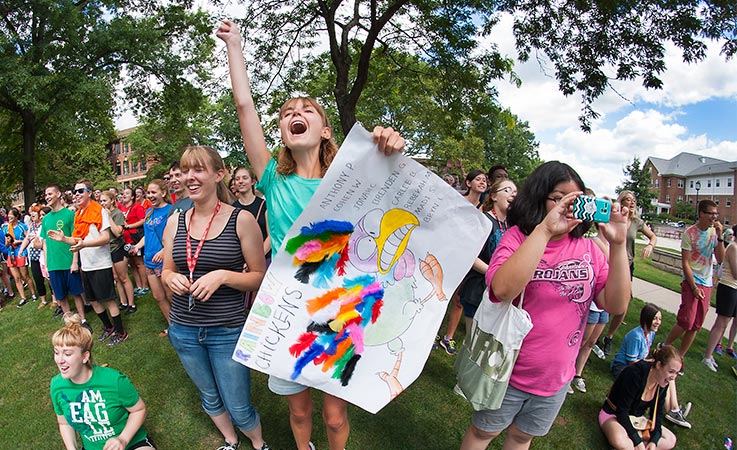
(352, 301)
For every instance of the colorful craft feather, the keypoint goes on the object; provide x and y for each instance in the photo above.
(321, 249)
(337, 345)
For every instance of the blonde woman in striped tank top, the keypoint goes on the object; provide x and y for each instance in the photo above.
(209, 280)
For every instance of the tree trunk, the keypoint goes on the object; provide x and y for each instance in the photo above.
(347, 113)
(30, 132)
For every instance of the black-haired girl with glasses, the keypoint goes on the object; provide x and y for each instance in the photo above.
(544, 256)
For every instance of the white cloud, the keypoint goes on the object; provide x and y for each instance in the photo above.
(600, 156)
(643, 130)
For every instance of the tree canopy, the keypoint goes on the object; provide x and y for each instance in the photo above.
(639, 183)
(60, 64)
(589, 43)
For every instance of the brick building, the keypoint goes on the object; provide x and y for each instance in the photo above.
(688, 176)
(128, 168)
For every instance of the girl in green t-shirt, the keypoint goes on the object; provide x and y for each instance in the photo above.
(99, 403)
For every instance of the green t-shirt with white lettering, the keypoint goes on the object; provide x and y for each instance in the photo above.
(58, 256)
(97, 408)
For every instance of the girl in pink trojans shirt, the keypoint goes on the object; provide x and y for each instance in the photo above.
(544, 254)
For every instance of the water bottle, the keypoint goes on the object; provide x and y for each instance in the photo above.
(598, 352)
(728, 443)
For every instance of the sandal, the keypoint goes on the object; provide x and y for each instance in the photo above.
(42, 305)
(164, 333)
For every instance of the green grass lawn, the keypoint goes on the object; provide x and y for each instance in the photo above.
(427, 416)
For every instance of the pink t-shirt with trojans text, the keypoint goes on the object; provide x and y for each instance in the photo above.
(569, 276)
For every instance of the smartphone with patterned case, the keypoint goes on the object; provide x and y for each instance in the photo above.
(592, 209)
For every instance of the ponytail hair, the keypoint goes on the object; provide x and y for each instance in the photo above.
(204, 156)
(665, 354)
(73, 334)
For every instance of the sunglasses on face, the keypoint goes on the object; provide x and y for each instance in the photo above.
(80, 190)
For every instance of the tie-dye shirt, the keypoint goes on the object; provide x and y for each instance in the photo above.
(568, 277)
(702, 244)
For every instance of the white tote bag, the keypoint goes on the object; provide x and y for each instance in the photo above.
(486, 359)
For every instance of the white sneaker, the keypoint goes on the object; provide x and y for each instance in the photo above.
(710, 364)
(677, 418)
(598, 352)
(570, 389)
(579, 384)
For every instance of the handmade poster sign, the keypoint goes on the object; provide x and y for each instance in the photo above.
(352, 301)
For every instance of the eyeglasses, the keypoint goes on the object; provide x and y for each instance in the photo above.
(507, 189)
(167, 178)
(80, 190)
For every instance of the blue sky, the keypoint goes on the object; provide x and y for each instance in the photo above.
(694, 112)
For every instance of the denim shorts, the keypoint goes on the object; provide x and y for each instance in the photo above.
(598, 317)
(532, 414)
(224, 384)
(280, 386)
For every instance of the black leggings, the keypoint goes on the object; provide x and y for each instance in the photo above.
(38, 278)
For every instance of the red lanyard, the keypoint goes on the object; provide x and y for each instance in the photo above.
(192, 260)
(502, 223)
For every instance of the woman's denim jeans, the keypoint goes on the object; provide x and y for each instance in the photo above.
(224, 384)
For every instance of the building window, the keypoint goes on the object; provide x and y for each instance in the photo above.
(117, 168)
(126, 167)
(729, 203)
(717, 182)
(690, 184)
(716, 200)
(667, 198)
(729, 182)
(667, 182)
(143, 165)
(134, 167)
(680, 198)
(657, 182)
(708, 183)
(680, 183)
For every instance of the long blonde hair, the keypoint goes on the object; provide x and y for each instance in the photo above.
(73, 334)
(285, 163)
(621, 197)
(204, 156)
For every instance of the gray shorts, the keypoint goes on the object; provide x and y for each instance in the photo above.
(281, 386)
(531, 413)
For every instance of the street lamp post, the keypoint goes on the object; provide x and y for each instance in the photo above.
(698, 188)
